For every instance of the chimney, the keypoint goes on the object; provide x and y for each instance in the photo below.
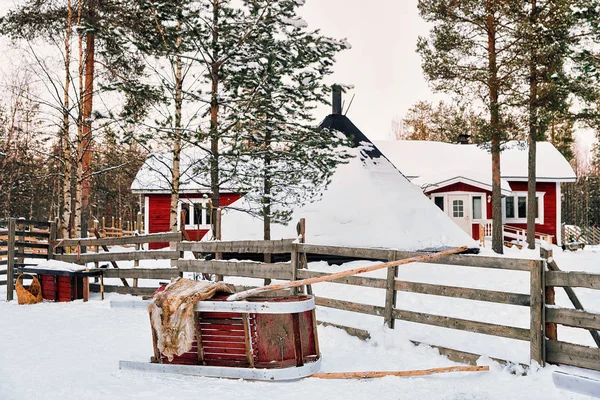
(463, 138)
(336, 100)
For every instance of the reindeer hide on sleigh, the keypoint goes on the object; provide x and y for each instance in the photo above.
(172, 313)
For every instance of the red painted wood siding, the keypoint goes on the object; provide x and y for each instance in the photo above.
(550, 217)
(463, 187)
(158, 214)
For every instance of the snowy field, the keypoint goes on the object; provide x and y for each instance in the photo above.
(71, 350)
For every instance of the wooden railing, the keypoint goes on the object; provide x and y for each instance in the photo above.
(518, 235)
(587, 235)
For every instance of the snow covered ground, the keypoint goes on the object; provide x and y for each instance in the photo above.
(71, 350)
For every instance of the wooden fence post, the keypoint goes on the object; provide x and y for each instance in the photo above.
(294, 265)
(549, 294)
(390, 292)
(536, 349)
(51, 240)
(218, 255)
(10, 266)
(21, 226)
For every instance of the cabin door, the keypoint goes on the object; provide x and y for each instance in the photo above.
(460, 211)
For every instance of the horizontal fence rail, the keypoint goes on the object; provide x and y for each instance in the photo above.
(124, 240)
(560, 352)
(118, 256)
(244, 246)
(242, 269)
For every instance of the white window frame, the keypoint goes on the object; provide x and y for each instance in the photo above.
(468, 208)
(192, 202)
(516, 220)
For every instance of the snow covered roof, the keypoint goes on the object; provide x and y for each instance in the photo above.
(155, 174)
(369, 203)
(432, 165)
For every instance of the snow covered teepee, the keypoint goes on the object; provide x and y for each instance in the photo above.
(369, 203)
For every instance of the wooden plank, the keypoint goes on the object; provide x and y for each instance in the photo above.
(574, 318)
(37, 224)
(30, 255)
(33, 234)
(242, 246)
(350, 306)
(390, 292)
(462, 356)
(10, 278)
(3, 252)
(138, 291)
(115, 241)
(572, 296)
(30, 245)
(244, 269)
(491, 296)
(381, 374)
(2, 283)
(349, 280)
(466, 260)
(51, 240)
(356, 252)
(359, 333)
(463, 324)
(122, 256)
(573, 279)
(572, 354)
(354, 271)
(536, 327)
(141, 273)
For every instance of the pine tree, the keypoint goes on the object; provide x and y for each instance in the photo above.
(471, 53)
(280, 78)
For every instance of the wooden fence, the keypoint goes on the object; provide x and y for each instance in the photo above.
(561, 352)
(587, 235)
(74, 251)
(539, 300)
(22, 239)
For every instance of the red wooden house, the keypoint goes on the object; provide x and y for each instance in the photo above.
(458, 178)
(153, 184)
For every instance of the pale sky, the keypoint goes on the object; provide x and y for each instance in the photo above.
(382, 64)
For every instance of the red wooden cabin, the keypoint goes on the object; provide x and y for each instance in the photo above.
(457, 177)
(153, 184)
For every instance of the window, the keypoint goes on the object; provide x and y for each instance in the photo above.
(439, 201)
(458, 208)
(522, 206)
(515, 208)
(195, 213)
(477, 214)
(510, 207)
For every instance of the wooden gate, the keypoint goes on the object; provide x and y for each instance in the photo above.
(22, 242)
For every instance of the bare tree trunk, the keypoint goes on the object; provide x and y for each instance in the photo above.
(86, 159)
(267, 186)
(497, 231)
(533, 121)
(214, 121)
(176, 173)
(64, 139)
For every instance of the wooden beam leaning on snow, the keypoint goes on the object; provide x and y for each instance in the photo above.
(326, 278)
(381, 374)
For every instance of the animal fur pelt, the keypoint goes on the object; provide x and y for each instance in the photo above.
(172, 313)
